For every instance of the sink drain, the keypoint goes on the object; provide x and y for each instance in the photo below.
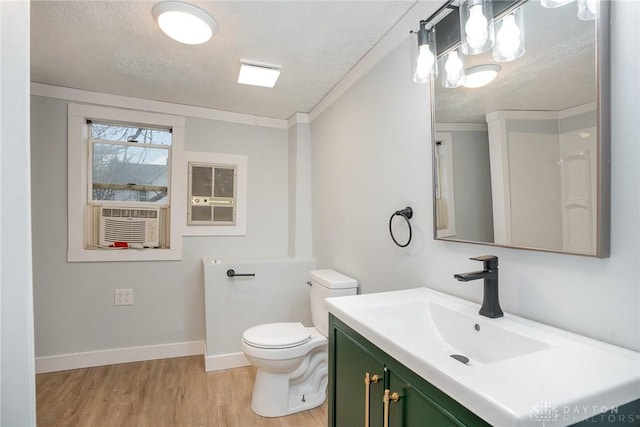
(460, 358)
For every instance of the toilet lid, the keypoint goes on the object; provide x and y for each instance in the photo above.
(277, 335)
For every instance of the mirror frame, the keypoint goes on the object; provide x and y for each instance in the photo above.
(603, 114)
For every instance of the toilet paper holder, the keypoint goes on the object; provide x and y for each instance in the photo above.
(232, 273)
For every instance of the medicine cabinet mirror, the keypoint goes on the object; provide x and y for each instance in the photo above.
(524, 161)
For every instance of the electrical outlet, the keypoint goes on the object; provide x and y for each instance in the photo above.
(123, 297)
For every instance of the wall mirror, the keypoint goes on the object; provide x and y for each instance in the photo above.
(523, 162)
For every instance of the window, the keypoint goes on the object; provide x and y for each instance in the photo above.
(129, 168)
(129, 164)
(122, 170)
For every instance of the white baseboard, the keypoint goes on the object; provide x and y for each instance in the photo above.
(219, 362)
(114, 356)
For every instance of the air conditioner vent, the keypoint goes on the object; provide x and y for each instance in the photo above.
(129, 225)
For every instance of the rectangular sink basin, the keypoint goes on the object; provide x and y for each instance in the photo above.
(504, 369)
(453, 332)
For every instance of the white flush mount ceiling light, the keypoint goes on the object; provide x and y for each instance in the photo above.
(481, 75)
(184, 22)
(258, 74)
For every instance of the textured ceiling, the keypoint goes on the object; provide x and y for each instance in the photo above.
(116, 47)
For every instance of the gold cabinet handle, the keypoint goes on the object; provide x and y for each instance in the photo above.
(368, 379)
(388, 397)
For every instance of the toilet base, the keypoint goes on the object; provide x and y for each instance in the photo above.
(277, 394)
(296, 404)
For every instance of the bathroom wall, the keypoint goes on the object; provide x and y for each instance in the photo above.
(277, 293)
(74, 311)
(371, 156)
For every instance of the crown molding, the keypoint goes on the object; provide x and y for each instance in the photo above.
(88, 97)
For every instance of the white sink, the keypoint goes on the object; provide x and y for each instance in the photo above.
(453, 332)
(516, 367)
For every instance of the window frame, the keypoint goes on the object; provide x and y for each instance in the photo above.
(80, 205)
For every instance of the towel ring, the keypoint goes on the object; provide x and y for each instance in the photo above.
(405, 213)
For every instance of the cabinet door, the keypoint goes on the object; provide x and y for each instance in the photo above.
(352, 362)
(414, 408)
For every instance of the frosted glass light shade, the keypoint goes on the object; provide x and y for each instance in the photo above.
(184, 22)
(454, 74)
(509, 44)
(476, 26)
(424, 62)
(587, 9)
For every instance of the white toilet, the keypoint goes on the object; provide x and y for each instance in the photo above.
(292, 359)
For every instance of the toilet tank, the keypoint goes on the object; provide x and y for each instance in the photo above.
(325, 284)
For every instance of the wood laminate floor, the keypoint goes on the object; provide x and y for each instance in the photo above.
(158, 393)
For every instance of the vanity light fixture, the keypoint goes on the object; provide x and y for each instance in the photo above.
(481, 75)
(454, 74)
(509, 37)
(474, 30)
(476, 26)
(184, 22)
(587, 9)
(424, 54)
(258, 74)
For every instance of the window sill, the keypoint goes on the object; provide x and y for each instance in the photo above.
(97, 255)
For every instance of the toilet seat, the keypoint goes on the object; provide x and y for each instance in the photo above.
(277, 335)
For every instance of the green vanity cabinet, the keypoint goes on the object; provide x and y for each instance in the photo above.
(412, 401)
(352, 363)
(415, 408)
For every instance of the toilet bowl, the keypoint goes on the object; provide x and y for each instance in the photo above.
(291, 359)
(291, 376)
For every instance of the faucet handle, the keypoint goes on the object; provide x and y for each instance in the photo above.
(490, 262)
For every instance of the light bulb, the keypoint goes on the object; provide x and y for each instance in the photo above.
(424, 63)
(454, 71)
(475, 29)
(508, 38)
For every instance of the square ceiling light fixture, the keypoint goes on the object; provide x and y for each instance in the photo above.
(258, 74)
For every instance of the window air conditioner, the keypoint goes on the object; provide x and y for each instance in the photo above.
(130, 225)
